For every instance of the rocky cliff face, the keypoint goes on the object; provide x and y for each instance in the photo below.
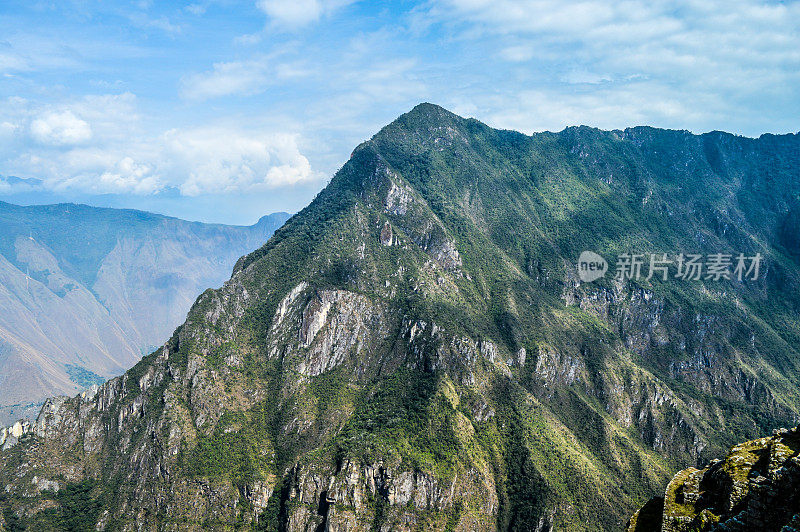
(755, 487)
(415, 351)
(85, 292)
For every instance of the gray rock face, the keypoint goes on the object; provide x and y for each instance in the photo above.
(9, 436)
(349, 493)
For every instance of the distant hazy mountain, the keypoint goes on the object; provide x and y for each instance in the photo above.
(85, 292)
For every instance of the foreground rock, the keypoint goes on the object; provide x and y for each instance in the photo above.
(756, 487)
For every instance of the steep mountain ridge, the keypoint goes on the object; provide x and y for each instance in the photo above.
(415, 350)
(85, 291)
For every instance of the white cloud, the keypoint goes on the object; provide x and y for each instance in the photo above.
(10, 61)
(162, 23)
(30, 51)
(243, 78)
(742, 31)
(585, 77)
(129, 176)
(60, 128)
(292, 14)
(511, 16)
(517, 54)
(91, 169)
(248, 39)
(112, 116)
(7, 130)
(197, 9)
(98, 145)
(606, 107)
(221, 160)
(715, 61)
(236, 77)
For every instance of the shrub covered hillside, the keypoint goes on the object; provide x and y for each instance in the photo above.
(415, 351)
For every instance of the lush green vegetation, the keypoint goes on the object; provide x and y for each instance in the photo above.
(239, 448)
(405, 417)
(77, 508)
(82, 376)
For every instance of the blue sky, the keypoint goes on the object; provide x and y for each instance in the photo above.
(224, 110)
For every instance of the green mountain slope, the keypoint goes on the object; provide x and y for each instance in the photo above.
(85, 291)
(415, 351)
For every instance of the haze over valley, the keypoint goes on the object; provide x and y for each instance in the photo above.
(86, 292)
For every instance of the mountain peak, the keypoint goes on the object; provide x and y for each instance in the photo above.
(423, 118)
(425, 127)
(428, 114)
(273, 219)
(430, 109)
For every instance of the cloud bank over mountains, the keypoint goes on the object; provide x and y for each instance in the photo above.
(97, 144)
(265, 98)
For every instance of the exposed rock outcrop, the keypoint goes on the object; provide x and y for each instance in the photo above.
(755, 487)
